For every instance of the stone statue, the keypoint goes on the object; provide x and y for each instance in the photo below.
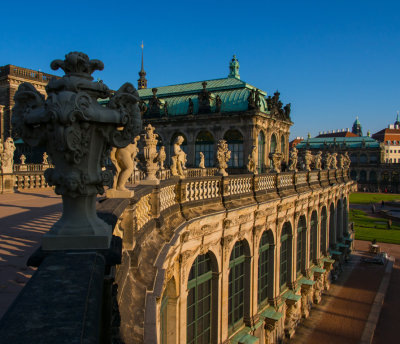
(340, 161)
(204, 99)
(327, 160)
(318, 161)
(161, 157)
(22, 158)
(334, 161)
(253, 161)
(308, 158)
(223, 156)
(7, 156)
(218, 104)
(149, 156)
(293, 159)
(275, 106)
(154, 104)
(123, 160)
(276, 162)
(45, 159)
(190, 107)
(251, 101)
(347, 161)
(166, 109)
(85, 133)
(202, 163)
(178, 160)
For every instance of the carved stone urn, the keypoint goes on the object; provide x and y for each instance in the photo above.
(148, 156)
(78, 134)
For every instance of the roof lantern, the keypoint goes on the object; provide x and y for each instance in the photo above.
(234, 68)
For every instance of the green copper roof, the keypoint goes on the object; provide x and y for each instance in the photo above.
(232, 91)
(350, 142)
(357, 122)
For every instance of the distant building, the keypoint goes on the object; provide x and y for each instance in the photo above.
(390, 137)
(337, 133)
(357, 129)
(295, 142)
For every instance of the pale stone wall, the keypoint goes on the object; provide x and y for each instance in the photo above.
(169, 225)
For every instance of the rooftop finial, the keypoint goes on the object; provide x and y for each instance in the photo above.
(142, 81)
(234, 68)
(397, 122)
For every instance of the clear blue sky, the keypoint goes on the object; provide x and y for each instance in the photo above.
(332, 60)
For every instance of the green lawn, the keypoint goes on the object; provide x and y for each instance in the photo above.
(369, 228)
(366, 198)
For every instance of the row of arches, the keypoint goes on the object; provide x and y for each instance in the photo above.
(294, 248)
(364, 176)
(206, 143)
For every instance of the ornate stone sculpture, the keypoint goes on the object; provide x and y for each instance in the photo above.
(204, 98)
(333, 161)
(22, 158)
(78, 133)
(327, 160)
(190, 107)
(202, 163)
(161, 157)
(293, 160)
(178, 160)
(218, 104)
(308, 158)
(7, 156)
(223, 156)
(347, 161)
(318, 161)
(276, 162)
(340, 161)
(154, 104)
(275, 106)
(123, 160)
(253, 161)
(45, 159)
(149, 156)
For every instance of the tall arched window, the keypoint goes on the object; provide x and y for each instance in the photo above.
(345, 218)
(200, 301)
(339, 220)
(239, 288)
(285, 256)
(272, 146)
(235, 144)
(301, 245)
(261, 151)
(372, 176)
(168, 312)
(205, 144)
(363, 159)
(313, 236)
(331, 225)
(353, 175)
(265, 267)
(363, 176)
(323, 230)
(353, 158)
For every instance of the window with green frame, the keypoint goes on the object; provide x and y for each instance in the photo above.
(205, 144)
(284, 256)
(235, 144)
(199, 301)
(236, 286)
(301, 243)
(323, 231)
(263, 267)
(313, 236)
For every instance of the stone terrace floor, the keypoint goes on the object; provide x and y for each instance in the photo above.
(340, 318)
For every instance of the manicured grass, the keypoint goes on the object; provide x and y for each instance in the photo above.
(369, 228)
(366, 198)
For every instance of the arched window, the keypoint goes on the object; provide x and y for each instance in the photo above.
(301, 245)
(265, 267)
(353, 158)
(200, 301)
(205, 144)
(313, 236)
(239, 289)
(373, 158)
(345, 218)
(272, 146)
(285, 256)
(353, 175)
(261, 151)
(363, 159)
(363, 176)
(323, 231)
(331, 225)
(372, 176)
(235, 144)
